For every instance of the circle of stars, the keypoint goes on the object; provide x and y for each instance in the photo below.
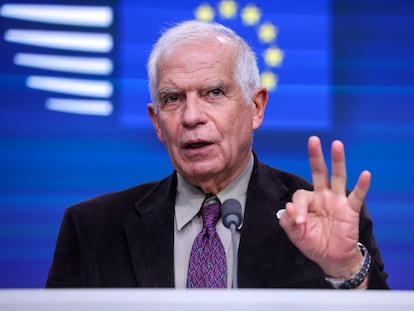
(266, 33)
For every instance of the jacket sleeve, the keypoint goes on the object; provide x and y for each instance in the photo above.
(377, 278)
(65, 270)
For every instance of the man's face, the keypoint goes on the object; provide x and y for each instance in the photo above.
(202, 116)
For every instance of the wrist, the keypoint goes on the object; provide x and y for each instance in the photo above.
(356, 279)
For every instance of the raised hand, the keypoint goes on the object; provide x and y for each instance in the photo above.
(323, 223)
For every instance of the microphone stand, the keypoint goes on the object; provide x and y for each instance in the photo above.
(232, 218)
(235, 254)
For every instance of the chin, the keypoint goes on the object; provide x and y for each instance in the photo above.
(200, 170)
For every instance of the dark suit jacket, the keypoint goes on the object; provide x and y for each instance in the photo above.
(126, 239)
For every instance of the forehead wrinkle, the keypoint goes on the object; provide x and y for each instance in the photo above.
(206, 85)
(177, 75)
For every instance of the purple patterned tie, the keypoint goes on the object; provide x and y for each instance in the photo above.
(207, 267)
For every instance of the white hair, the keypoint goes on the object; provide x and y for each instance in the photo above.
(246, 71)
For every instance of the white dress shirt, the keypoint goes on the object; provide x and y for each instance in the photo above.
(188, 222)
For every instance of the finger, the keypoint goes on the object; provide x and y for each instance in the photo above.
(357, 197)
(299, 207)
(287, 218)
(288, 222)
(301, 200)
(317, 164)
(338, 178)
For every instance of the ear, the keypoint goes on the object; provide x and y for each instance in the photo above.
(154, 119)
(258, 106)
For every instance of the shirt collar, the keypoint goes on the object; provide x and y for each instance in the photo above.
(190, 198)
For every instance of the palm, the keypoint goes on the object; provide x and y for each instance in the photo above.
(323, 224)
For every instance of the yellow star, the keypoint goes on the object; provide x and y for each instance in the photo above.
(228, 8)
(273, 56)
(204, 12)
(269, 80)
(267, 32)
(250, 15)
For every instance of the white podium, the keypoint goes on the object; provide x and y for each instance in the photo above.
(203, 300)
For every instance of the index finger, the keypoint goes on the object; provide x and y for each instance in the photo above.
(317, 164)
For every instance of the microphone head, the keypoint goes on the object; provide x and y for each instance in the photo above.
(231, 212)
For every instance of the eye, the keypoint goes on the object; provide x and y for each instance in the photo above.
(216, 92)
(170, 99)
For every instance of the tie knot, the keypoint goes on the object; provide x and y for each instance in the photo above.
(211, 211)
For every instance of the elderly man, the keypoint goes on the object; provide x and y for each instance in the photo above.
(206, 103)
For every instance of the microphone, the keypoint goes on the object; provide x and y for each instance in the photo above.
(231, 215)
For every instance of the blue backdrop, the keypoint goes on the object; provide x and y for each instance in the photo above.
(73, 122)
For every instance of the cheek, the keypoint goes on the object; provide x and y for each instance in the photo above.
(238, 129)
(169, 132)
(242, 121)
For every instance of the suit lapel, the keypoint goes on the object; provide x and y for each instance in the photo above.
(262, 238)
(150, 236)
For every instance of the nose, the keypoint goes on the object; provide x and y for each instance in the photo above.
(193, 114)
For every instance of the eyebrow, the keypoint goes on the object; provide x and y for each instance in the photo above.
(208, 86)
(216, 85)
(164, 92)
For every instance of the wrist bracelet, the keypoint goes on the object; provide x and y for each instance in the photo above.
(355, 280)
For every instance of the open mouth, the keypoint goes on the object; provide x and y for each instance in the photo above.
(197, 145)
